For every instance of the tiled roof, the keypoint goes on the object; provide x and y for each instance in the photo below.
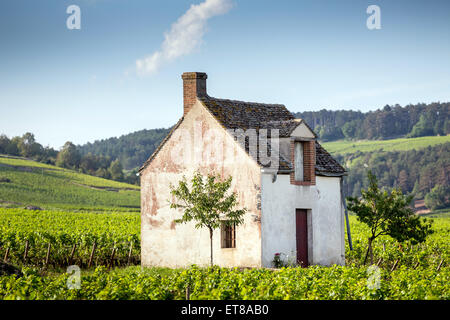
(233, 114)
(285, 127)
(245, 115)
(326, 164)
(250, 115)
(283, 163)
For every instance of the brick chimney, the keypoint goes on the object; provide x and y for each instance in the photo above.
(194, 85)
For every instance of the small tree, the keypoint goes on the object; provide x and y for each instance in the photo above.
(68, 157)
(438, 198)
(4, 144)
(388, 213)
(116, 170)
(28, 147)
(207, 203)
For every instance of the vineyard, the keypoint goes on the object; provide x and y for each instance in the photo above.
(405, 271)
(81, 238)
(221, 283)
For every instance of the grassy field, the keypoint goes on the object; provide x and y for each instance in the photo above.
(25, 182)
(403, 144)
(440, 213)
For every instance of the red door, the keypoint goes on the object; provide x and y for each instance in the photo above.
(302, 237)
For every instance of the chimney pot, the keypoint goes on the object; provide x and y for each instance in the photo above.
(194, 85)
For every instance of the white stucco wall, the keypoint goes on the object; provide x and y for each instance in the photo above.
(164, 243)
(279, 201)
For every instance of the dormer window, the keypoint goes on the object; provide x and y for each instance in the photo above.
(303, 159)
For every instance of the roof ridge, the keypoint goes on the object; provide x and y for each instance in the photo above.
(299, 120)
(241, 101)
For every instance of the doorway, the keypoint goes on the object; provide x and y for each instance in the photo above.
(301, 222)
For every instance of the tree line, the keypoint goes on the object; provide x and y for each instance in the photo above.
(132, 150)
(413, 120)
(68, 157)
(26, 146)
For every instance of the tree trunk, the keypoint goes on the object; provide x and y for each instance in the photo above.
(211, 241)
(369, 252)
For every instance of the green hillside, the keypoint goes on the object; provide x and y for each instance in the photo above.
(414, 165)
(25, 182)
(402, 144)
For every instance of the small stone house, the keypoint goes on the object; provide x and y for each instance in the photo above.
(288, 182)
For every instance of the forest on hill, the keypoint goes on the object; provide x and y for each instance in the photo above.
(424, 173)
(131, 149)
(413, 120)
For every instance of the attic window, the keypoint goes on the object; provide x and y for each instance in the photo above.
(303, 159)
(299, 162)
(228, 235)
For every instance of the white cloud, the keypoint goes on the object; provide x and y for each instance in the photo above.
(184, 36)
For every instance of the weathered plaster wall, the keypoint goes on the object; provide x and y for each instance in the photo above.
(166, 244)
(325, 219)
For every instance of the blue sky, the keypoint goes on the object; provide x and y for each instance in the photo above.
(83, 85)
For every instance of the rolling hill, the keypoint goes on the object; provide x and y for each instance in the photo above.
(402, 144)
(25, 182)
